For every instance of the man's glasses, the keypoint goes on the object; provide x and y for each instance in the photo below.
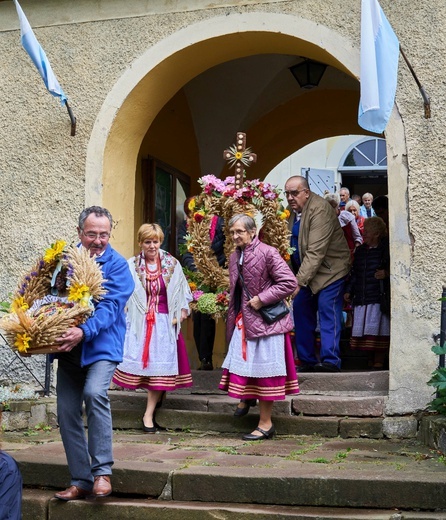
(93, 236)
(293, 193)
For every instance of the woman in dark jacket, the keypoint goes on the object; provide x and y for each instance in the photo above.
(368, 283)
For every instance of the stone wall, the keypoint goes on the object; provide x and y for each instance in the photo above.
(42, 168)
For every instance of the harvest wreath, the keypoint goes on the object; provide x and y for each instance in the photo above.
(56, 294)
(226, 198)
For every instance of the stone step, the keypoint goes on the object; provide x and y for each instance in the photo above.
(352, 406)
(351, 383)
(39, 505)
(287, 472)
(331, 416)
(337, 405)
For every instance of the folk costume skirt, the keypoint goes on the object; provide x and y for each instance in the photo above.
(371, 328)
(264, 369)
(168, 365)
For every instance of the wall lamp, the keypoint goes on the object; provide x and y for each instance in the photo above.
(308, 73)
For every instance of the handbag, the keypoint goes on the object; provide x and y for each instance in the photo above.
(272, 312)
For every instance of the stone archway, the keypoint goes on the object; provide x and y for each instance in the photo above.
(156, 76)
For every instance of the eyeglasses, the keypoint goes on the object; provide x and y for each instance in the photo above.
(294, 193)
(237, 232)
(93, 236)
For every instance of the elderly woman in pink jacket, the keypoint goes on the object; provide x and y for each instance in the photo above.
(259, 364)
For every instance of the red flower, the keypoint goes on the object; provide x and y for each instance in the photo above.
(198, 217)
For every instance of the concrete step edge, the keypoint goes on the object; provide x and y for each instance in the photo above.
(310, 486)
(36, 504)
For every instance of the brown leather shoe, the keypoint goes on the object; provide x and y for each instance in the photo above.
(72, 493)
(102, 486)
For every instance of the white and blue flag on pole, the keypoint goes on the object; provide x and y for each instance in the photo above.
(38, 56)
(379, 68)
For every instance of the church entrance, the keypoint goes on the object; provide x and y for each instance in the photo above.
(185, 98)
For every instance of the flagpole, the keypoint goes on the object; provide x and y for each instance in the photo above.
(427, 103)
(72, 119)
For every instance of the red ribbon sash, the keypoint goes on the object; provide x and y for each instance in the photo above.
(241, 326)
(150, 318)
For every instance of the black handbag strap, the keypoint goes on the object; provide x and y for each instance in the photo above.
(243, 281)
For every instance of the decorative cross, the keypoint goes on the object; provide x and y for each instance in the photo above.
(238, 155)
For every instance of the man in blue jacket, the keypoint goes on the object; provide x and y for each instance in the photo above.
(89, 355)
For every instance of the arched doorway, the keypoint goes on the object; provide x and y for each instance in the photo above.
(162, 77)
(159, 76)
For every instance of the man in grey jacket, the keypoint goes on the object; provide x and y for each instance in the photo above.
(321, 261)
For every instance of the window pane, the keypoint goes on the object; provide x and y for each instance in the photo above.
(382, 153)
(163, 190)
(182, 191)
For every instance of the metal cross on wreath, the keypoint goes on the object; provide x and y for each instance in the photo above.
(239, 156)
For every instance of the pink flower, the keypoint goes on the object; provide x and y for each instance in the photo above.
(197, 294)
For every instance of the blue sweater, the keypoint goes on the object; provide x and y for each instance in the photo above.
(104, 331)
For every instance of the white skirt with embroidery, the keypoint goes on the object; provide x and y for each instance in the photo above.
(163, 354)
(265, 356)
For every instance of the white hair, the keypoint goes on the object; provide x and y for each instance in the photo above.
(333, 198)
(351, 203)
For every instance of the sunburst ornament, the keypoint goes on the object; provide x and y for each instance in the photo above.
(239, 156)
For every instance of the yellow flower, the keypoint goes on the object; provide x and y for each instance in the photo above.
(19, 303)
(54, 251)
(22, 342)
(193, 286)
(191, 205)
(284, 215)
(238, 155)
(79, 293)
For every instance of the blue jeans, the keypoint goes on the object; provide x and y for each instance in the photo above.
(75, 385)
(328, 303)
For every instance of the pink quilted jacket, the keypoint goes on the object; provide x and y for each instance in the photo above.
(267, 276)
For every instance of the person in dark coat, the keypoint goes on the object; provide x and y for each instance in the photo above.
(10, 488)
(368, 284)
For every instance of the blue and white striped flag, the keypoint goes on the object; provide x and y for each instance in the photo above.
(379, 68)
(38, 56)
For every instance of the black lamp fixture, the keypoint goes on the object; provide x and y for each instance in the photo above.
(308, 73)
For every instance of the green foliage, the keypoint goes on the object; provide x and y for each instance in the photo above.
(438, 381)
(6, 306)
(320, 460)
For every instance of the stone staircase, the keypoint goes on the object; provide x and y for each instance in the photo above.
(331, 459)
(346, 404)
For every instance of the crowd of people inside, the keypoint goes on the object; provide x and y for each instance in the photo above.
(340, 261)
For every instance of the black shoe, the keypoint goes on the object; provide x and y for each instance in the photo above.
(240, 412)
(206, 365)
(265, 434)
(151, 429)
(326, 367)
(305, 368)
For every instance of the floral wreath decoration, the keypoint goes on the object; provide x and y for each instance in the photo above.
(261, 200)
(56, 294)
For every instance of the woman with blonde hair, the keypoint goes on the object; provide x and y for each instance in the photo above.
(155, 356)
